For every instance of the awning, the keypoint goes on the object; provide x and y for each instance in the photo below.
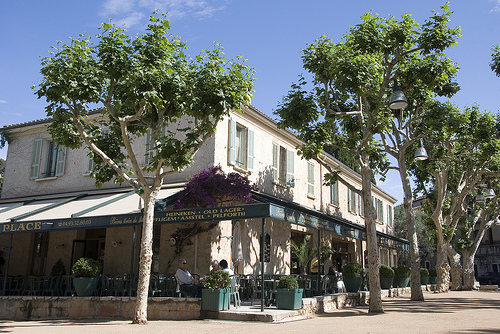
(89, 210)
(84, 210)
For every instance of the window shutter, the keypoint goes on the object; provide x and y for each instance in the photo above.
(35, 158)
(148, 147)
(290, 179)
(250, 149)
(334, 193)
(274, 167)
(61, 160)
(310, 179)
(232, 142)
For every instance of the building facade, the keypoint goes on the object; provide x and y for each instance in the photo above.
(50, 208)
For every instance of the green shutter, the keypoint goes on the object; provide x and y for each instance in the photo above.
(35, 158)
(274, 167)
(232, 142)
(250, 150)
(290, 178)
(61, 160)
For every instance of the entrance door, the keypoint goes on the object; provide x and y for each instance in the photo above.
(39, 255)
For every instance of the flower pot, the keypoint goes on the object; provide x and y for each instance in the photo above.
(85, 286)
(432, 279)
(402, 282)
(385, 282)
(289, 299)
(424, 280)
(352, 284)
(215, 299)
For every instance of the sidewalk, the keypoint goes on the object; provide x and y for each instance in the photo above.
(452, 312)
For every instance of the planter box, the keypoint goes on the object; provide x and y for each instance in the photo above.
(432, 279)
(289, 299)
(386, 282)
(402, 282)
(352, 284)
(424, 280)
(85, 286)
(215, 299)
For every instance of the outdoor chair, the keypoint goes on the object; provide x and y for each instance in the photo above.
(234, 292)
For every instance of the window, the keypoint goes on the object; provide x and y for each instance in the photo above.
(379, 207)
(241, 146)
(390, 217)
(55, 160)
(310, 179)
(334, 193)
(283, 166)
(150, 151)
(355, 202)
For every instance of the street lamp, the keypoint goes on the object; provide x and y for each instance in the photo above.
(398, 99)
(421, 153)
(490, 193)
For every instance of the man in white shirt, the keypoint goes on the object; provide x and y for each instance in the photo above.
(186, 281)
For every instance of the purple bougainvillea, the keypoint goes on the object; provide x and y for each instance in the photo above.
(212, 187)
(209, 188)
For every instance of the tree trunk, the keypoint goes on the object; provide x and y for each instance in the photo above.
(145, 260)
(416, 289)
(371, 242)
(456, 269)
(442, 268)
(468, 269)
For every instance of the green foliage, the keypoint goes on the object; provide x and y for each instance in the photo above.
(86, 267)
(424, 272)
(218, 279)
(353, 270)
(303, 252)
(386, 271)
(402, 271)
(432, 272)
(145, 83)
(288, 282)
(495, 60)
(58, 269)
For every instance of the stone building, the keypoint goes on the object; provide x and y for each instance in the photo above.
(50, 208)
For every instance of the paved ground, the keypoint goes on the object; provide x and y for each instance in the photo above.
(475, 312)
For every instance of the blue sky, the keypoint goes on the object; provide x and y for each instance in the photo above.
(269, 33)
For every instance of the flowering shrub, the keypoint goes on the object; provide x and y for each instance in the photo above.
(209, 188)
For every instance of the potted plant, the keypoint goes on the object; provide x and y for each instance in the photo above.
(432, 276)
(215, 294)
(402, 274)
(352, 274)
(424, 276)
(288, 294)
(85, 274)
(386, 276)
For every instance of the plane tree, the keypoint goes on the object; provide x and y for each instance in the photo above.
(345, 105)
(464, 152)
(147, 86)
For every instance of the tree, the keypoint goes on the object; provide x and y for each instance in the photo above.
(2, 172)
(148, 86)
(495, 60)
(303, 252)
(463, 154)
(347, 105)
(472, 227)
